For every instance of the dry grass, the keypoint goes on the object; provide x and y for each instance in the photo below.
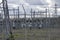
(37, 34)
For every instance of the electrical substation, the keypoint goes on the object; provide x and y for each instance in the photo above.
(36, 25)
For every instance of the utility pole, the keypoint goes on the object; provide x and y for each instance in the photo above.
(7, 20)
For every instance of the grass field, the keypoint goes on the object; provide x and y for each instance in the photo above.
(37, 34)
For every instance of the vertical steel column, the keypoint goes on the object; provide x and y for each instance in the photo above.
(55, 10)
(40, 25)
(31, 19)
(6, 15)
(25, 23)
(14, 19)
(18, 13)
(56, 15)
(34, 14)
(31, 13)
(18, 19)
(14, 13)
(46, 16)
(7, 20)
(49, 17)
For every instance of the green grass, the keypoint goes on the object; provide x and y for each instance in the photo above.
(37, 34)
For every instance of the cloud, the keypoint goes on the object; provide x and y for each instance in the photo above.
(0, 1)
(28, 4)
(16, 1)
(41, 2)
(35, 4)
(57, 2)
(10, 5)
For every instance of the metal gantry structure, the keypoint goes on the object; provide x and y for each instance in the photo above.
(7, 20)
(6, 15)
(31, 21)
(40, 18)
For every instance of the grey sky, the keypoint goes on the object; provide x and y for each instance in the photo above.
(34, 2)
(28, 3)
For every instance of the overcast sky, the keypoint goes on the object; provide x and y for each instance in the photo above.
(35, 4)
